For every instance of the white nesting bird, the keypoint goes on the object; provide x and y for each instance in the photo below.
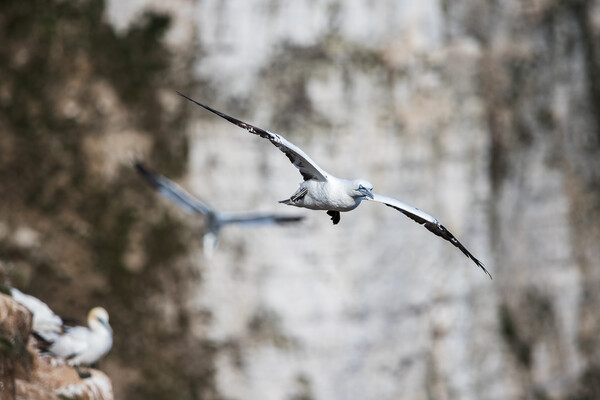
(214, 220)
(80, 345)
(76, 344)
(323, 191)
(45, 323)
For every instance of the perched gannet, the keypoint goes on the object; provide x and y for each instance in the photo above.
(81, 345)
(323, 191)
(214, 220)
(45, 323)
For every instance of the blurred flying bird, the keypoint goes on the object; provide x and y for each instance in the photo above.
(323, 191)
(214, 220)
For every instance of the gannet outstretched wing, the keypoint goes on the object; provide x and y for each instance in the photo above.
(308, 168)
(173, 192)
(429, 222)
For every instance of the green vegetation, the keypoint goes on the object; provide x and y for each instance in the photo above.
(517, 344)
(303, 388)
(265, 326)
(535, 321)
(291, 69)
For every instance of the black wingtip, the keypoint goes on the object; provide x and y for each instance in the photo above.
(141, 168)
(251, 128)
(197, 103)
(148, 175)
(184, 96)
(290, 219)
(441, 231)
(204, 106)
(480, 265)
(475, 260)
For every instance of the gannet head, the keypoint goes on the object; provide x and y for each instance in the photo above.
(361, 188)
(98, 319)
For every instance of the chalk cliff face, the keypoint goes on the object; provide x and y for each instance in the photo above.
(484, 114)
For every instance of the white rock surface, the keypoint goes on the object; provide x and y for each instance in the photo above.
(375, 307)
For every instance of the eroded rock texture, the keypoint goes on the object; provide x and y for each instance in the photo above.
(485, 114)
(25, 374)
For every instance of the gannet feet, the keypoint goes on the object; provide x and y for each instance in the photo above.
(335, 216)
(82, 374)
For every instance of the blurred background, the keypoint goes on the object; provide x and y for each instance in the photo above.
(484, 114)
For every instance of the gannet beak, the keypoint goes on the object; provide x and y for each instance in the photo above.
(105, 323)
(366, 192)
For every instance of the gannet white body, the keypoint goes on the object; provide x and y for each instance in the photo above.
(45, 323)
(81, 345)
(323, 191)
(214, 220)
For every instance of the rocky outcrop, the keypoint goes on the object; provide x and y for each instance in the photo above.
(25, 374)
(16, 360)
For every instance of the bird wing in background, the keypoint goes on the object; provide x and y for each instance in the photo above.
(172, 191)
(259, 219)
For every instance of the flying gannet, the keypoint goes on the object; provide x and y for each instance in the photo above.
(214, 220)
(323, 191)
